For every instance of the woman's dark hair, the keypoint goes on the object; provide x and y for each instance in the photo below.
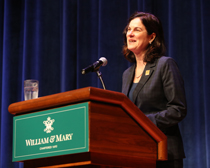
(152, 25)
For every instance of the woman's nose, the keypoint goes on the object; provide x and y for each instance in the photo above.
(130, 33)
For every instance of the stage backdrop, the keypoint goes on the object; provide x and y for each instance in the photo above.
(52, 40)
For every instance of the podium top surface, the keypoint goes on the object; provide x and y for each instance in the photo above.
(66, 98)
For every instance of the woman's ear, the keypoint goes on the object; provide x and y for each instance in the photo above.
(152, 38)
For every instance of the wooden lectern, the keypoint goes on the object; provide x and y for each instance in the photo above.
(119, 135)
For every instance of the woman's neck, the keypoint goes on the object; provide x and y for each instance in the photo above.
(140, 65)
(139, 60)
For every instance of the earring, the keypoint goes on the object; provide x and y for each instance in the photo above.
(150, 42)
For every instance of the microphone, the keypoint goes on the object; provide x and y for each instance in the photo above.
(95, 66)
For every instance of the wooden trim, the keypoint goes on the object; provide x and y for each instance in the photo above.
(69, 165)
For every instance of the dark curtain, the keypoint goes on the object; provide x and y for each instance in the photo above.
(52, 40)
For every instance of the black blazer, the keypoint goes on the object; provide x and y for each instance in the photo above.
(160, 95)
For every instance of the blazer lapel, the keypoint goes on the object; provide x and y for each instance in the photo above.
(146, 75)
(129, 80)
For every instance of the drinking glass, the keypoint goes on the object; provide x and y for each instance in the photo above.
(31, 89)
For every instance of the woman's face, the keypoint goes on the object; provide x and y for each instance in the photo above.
(137, 37)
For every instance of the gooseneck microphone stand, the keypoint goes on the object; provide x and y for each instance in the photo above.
(99, 74)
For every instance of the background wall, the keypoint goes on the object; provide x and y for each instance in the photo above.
(52, 40)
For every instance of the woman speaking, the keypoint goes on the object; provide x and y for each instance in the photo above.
(154, 83)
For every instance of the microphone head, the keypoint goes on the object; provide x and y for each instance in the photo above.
(104, 60)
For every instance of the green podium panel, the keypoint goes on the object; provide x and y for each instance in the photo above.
(53, 132)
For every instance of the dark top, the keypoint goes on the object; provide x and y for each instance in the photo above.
(130, 95)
